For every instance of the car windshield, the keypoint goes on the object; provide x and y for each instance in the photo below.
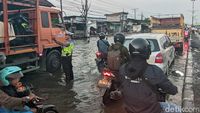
(153, 43)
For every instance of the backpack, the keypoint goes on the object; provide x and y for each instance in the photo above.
(103, 42)
(138, 96)
(114, 59)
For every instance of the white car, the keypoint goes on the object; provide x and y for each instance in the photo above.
(163, 53)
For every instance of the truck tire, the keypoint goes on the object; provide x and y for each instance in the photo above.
(53, 61)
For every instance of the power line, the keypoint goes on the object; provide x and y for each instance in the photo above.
(78, 6)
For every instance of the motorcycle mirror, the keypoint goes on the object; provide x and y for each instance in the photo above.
(177, 73)
(2, 57)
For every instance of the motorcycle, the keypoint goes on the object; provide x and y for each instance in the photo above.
(40, 107)
(100, 61)
(109, 87)
(186, 36)
(37, 103)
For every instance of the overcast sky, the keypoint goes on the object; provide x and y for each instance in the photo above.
(148, 7)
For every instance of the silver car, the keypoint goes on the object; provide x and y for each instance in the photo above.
(163, 52)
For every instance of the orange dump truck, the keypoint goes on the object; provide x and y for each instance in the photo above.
(27, 30)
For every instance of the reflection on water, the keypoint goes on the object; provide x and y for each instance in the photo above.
(80, 96)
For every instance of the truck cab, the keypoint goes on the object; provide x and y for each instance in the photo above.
(27, 39)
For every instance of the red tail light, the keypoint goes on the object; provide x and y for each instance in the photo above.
(159, 58)
(98, 54)
(186, 33)
(107, 73)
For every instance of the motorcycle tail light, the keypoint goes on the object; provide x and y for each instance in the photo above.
(186, 33)
(98, 54)
(107, 73)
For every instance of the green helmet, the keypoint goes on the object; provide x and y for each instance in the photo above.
(6, 72)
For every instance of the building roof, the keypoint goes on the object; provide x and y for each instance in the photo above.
(113, 14)
(161, 17)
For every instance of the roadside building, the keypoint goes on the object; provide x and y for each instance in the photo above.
(76, 25)
(93, 25)
(137, 26)
(117, 22)
(173, 26)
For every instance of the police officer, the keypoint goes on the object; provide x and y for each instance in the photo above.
(138, 69)
(66, 58)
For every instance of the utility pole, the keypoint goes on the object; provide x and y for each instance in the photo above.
(84, 11)
(86, 18)
(61, 7)
(193, 1)
(135, 13)
(142, 16)
(122, 22)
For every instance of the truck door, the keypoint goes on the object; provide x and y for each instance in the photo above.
(57, 26)
(45, 29)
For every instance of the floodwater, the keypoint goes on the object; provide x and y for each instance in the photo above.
(196, 69)
(82, 95)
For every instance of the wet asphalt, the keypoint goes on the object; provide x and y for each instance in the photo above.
(82, 95)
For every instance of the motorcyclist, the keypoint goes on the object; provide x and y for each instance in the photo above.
(10, 89)
(117, 55)
(138, 69)
(103, 45)
(119, 40)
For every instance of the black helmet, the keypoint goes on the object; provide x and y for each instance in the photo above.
(119, 37)
(140, 47)
(102, 35)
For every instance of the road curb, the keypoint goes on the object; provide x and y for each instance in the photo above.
(188, 93)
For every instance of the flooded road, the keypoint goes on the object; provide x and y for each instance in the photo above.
(196, 69)
(82, 95)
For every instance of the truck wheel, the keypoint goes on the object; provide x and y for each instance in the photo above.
(53, 62)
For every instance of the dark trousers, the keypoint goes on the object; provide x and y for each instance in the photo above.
(67, 67)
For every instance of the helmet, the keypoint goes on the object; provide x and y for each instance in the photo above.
(140, 47)
(102, 35)
(119, 37)
(7, 72)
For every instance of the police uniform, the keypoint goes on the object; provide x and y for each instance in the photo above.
(67, 61)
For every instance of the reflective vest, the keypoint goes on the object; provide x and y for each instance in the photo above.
(67, 51)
